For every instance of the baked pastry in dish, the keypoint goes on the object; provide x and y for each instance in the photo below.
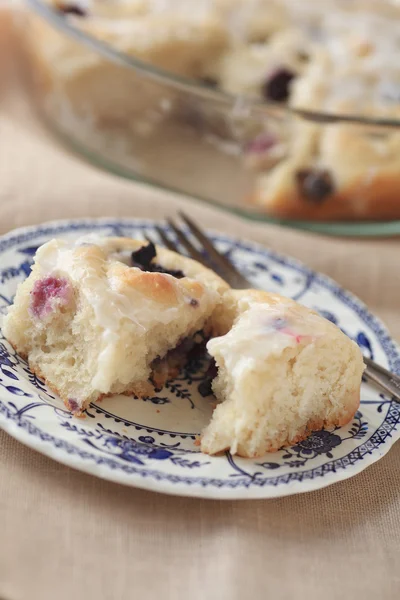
(330, 57)
(110, 316)
(283, 372)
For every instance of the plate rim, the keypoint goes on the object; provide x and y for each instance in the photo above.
(196, 489)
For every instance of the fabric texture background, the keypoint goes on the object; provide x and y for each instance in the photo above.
(67, 535)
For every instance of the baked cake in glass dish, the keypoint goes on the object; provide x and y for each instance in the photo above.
(328, 57)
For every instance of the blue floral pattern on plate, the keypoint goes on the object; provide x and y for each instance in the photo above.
(151, 443)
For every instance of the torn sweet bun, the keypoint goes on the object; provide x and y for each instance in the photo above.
(283, 372)
(103, 316)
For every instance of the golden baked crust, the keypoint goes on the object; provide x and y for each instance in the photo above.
(169, 260)
(377, 200)
(363, 166)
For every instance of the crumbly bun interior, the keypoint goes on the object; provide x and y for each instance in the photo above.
(283, 371)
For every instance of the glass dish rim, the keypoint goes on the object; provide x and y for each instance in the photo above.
(194, 87)
(332, 228)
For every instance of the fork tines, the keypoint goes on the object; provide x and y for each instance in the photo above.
(204, 251)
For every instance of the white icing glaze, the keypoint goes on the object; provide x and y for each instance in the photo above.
(360, 39)
(264, 330)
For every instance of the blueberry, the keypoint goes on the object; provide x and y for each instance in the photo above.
(197, 351)
(142, 260)
(280, 323)
(72, 9)
(144, 256)
(276, 87)
(315, 184)
(205, 388)
(48, 290)
(73, 405)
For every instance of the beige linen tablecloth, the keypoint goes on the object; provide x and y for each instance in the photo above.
(66, 535)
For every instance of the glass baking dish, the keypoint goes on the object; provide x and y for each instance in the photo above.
(145, 123)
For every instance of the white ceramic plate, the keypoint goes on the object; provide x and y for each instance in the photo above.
(150, 443)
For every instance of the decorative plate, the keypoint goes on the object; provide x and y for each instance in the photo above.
(150, 443)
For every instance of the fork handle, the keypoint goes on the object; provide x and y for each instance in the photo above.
(382, 377)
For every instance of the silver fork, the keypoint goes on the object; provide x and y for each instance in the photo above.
(210, 257)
